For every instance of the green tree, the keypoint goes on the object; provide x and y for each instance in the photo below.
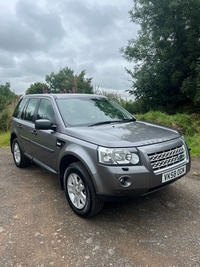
(65, 81)
(6, 96)
(37, 88)
(166, 53)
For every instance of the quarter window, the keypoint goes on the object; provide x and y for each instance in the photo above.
(19, 107)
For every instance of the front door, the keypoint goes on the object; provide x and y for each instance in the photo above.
(44, 141)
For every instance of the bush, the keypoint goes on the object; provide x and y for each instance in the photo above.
(5, 117)
(188, 125)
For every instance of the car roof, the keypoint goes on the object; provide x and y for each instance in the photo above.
(60, 96)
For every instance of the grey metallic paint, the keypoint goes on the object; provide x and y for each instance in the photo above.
(47, 148)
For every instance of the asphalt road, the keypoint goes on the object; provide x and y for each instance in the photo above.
(38, 228)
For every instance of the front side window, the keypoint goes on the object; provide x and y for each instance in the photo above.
(46, 111)
(29, 110)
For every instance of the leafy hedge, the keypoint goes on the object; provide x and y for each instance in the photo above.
(188, 125)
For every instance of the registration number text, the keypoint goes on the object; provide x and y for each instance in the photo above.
(173, 174)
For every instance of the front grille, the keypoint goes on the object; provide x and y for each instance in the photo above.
(161, 160)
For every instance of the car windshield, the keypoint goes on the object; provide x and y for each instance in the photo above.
(91, 111)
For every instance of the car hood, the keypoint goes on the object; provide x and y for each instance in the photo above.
(136, 133)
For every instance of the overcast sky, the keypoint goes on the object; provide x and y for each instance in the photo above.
(41, 36)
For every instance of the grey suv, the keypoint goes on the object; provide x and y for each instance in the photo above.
(98, 150)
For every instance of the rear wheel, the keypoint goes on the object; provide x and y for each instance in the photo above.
(80, 191)
(19, 158)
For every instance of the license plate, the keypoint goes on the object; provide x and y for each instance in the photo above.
(167, 176)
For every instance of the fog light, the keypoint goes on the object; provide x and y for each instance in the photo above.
(125, 181)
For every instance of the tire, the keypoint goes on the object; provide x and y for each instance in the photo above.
(80, 191)
(20, 159)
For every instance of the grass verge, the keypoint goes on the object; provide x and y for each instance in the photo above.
(5, 139)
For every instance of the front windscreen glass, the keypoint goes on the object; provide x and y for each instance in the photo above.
(91, 111)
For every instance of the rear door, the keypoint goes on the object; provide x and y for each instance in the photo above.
(26, 125)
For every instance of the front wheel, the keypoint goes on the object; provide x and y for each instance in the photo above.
(19, 158)
(80, 191)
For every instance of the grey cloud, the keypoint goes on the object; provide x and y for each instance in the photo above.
(6, 61)
(44, 22)
(16, 38)
(103, 26)
(30, 29)
(102, 51)
(39, 37)
(27, 66)
(63, 53)
(37, 65)
(12, 72)
(92, 20)
(112, 77)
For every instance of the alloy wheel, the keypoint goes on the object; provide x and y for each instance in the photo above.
(76, 191)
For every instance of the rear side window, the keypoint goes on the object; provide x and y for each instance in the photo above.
(19, 107)
(29, 110)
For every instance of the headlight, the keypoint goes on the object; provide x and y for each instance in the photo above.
(116, 156)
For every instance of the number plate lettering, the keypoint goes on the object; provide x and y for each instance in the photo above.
(173, 174)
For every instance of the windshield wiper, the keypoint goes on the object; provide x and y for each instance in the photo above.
(128, 120)
(114, 121)
(104, 122)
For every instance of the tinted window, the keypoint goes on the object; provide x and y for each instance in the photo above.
(46, 111)
(28, 112)
(19, 107)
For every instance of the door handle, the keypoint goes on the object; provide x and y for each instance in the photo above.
(19, 126)
(34, 132)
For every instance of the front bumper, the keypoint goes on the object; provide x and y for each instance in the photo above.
(143, 179)
(142, 183)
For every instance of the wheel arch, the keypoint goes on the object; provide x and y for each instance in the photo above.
(75, 154)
